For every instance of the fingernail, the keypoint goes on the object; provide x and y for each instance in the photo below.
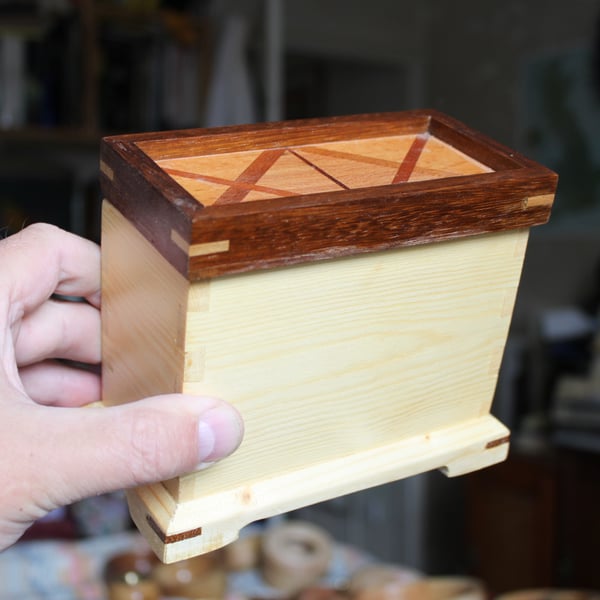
(220, 431)
(204, 465)
(206, 440)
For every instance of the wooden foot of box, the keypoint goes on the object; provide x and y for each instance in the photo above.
(176, 530)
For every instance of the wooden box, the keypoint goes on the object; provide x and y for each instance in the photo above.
(347, 283)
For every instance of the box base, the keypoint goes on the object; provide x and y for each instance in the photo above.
(177, 531)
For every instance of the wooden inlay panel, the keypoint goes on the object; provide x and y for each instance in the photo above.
(328, 167)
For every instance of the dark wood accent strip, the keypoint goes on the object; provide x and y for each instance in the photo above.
(318, 169)
(477, 145)
(242, 186)
(173, 538)
(262, 136)
(250, 176)
(152, 200)
(368, 160)
(407, 166)
(274, 233)
(498, 442)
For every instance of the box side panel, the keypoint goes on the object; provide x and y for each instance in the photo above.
(329, 359)
(144, 303)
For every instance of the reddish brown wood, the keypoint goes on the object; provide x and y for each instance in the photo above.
(250, 177)
(532, 521)
(174, 538)
(238, 188)
(498, 442)
(477, 145)
(172, 144)
(287, 231)
(147, 197)
(293, 229)
(319, 169)
(511, 519)
(408, 164)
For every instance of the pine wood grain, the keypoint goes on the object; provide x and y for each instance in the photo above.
(144, 303)
(332, 358)
(166, 524)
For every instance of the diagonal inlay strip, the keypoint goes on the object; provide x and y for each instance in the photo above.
(318, 169)
(248, 187)
(369, 160)
(407, 166)
(253, 172)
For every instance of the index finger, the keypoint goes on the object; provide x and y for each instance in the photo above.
(42, 260)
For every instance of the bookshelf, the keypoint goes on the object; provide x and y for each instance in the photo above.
(97, 67)
(69, 77)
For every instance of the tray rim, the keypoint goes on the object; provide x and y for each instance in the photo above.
(281, 231)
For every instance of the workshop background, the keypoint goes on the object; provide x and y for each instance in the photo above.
(526, 73)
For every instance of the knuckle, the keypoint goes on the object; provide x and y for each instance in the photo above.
(41, 229)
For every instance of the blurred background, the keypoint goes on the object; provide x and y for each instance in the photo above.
(526, 73)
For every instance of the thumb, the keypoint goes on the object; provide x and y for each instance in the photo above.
(98, 450)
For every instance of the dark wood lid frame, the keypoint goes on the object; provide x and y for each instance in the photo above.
(219, 239)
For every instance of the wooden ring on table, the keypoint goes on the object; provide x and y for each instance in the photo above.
(379, 582)
(446, 588)
(550, 594)
(128, 576)
(295, 555)
(142, 590)
(429, 588)
(243, 554)
(202, 576)
(322, 593)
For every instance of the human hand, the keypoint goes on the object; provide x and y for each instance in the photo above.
(51, 452)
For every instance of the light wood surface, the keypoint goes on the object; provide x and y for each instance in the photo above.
(331, 358)
(144, 303)
(469, 445)
(260, 174)
(348, 373)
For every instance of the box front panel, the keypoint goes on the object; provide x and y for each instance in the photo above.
(328, 359)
